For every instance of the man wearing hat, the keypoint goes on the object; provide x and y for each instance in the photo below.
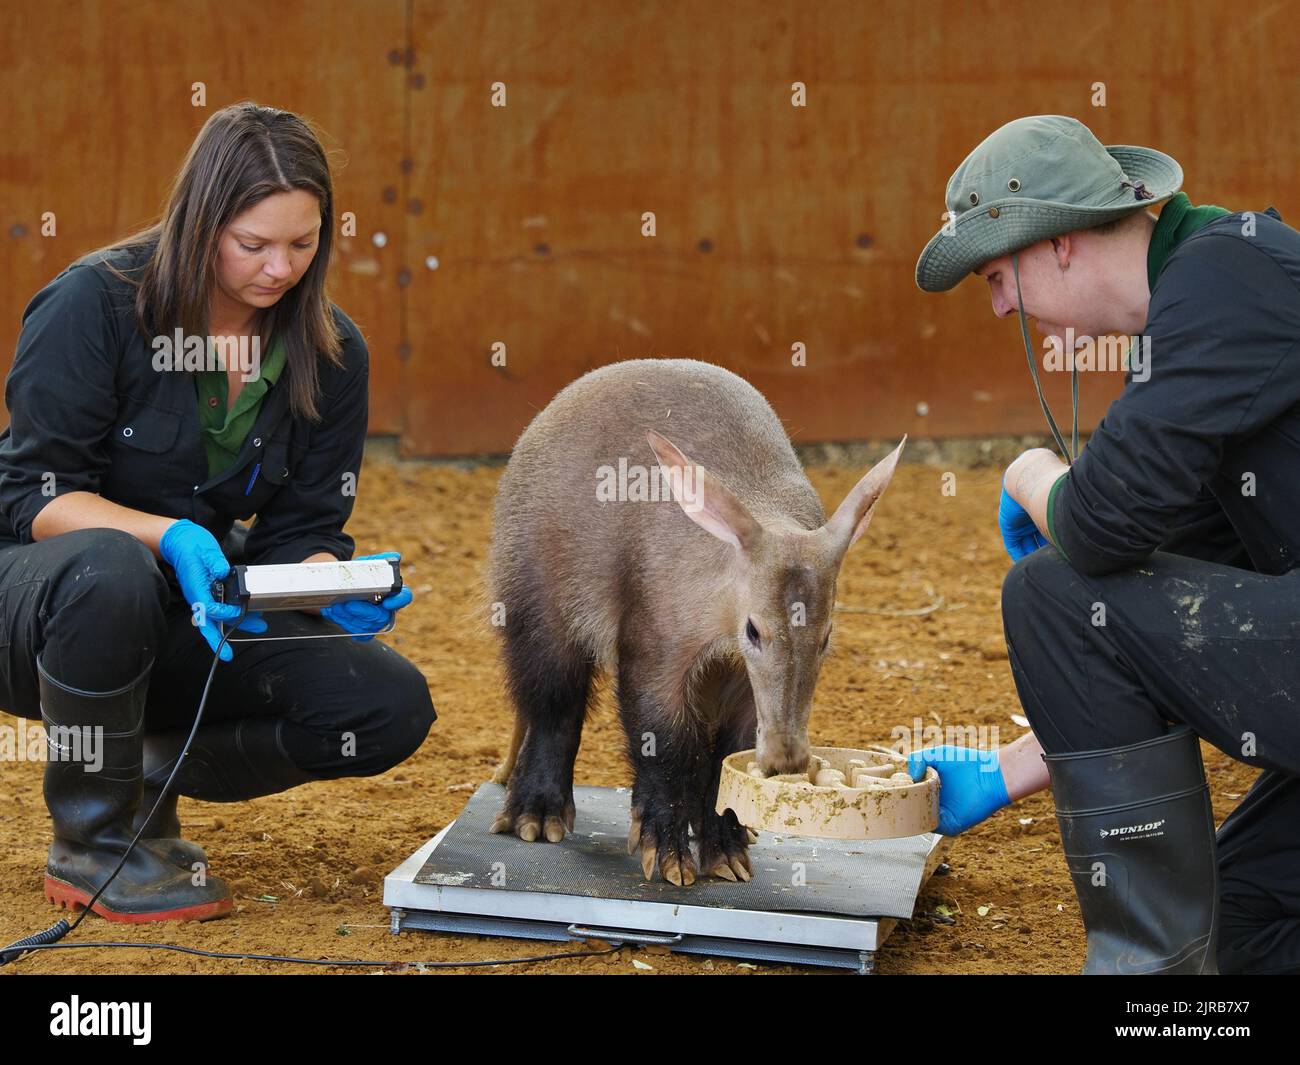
(1164, 604)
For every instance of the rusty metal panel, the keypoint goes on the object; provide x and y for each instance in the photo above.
(521, 225)
(98, 116)
(775, 224)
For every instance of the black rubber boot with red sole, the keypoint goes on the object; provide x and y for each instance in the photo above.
(165, 825)
(93, 788)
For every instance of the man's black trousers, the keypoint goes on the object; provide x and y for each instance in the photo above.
(1105, 661)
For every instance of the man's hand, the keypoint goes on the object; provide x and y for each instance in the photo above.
(1022, 510)
(1020, 536)
(971, 784)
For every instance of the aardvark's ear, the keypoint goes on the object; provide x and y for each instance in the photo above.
(704, 499)
(852, 516)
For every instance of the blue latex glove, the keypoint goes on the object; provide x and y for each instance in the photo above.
(365, 619)
(1019, 533)
(195, 555)
(971, 785)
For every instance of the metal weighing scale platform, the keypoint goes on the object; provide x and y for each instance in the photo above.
(811, 902)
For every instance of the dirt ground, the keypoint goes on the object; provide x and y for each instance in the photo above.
(307, 866)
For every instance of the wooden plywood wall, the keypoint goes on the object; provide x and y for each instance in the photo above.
(520, 227)
(98, 115)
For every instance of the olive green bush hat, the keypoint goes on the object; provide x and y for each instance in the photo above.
(1035, 178)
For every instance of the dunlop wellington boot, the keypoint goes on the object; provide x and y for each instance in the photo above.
(1138, 834)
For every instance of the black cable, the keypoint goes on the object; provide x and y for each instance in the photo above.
(48, 939)
(326, 961)
(162, 794)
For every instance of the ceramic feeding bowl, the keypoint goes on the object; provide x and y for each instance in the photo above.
(845, 794)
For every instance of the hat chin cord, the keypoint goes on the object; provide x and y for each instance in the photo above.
(1073, 451)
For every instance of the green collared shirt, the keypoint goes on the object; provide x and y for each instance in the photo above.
(1178, 220)
(224, 430)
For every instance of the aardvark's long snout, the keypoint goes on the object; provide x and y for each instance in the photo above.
(782, 752)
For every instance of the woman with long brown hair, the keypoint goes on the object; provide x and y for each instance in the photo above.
(133, 450)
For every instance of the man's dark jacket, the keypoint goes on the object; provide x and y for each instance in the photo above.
(1208, 448)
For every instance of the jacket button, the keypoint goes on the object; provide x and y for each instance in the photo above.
(128, 431)
(285, 473)
(257, 442)
(212, 401)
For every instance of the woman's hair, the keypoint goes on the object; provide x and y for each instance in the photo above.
(243, 154)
